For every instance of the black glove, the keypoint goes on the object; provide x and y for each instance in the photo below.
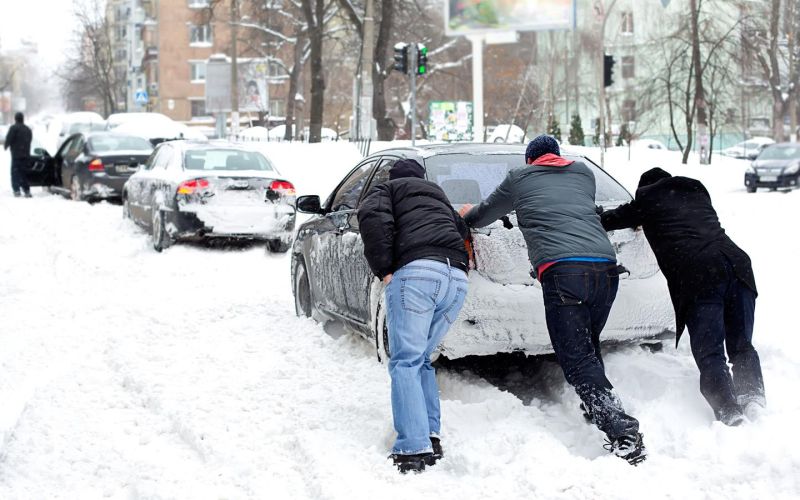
(599, 209)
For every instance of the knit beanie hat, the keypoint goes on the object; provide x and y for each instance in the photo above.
(406, 168)
(541, 146)
(652, 176)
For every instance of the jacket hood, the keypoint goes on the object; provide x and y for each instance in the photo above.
(551, 160)
(652, 176)
(406, 168)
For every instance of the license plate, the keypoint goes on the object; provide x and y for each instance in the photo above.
(768, 178)
(126, 168)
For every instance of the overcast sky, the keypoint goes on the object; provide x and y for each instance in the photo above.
(48, 23)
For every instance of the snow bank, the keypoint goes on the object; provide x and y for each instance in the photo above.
(130, 374)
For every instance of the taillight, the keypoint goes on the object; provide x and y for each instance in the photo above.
(192, 186)
(284, 188)
(96, 165)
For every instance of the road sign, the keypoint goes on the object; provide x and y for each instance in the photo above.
(141, 98)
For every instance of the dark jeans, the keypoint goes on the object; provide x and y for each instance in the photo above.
(719, 320)
(577, 299)
(18, 178)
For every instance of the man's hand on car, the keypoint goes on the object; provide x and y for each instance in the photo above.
(464, 209)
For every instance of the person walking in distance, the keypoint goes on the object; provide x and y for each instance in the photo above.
(711, 284)
(573, 259)
(18, 140)
(414, 242)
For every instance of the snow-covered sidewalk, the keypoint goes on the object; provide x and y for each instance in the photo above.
(130, 374)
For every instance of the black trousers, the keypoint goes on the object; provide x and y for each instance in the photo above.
(721, 320)
(18, 178)
(577, 300)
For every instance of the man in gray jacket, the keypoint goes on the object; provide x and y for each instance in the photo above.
(554, 201)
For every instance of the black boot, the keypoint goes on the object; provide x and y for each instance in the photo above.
(411, 463)
(437, 454)
(731, 416)
(630, 448)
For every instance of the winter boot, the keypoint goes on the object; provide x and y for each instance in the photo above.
(630, 448)
(410, 463)
(437, 454)
(17, 194)
(28, 194)
(732, 416)
(753, 410)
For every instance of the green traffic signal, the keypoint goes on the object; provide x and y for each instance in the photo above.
(422, 59)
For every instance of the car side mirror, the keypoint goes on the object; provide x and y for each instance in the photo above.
(309, 205)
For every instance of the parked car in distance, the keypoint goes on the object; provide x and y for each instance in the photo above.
(194, 190)
(749, 149)
(504, 310)
(156, 130)
(94, 166)
(648, 144)
(117, 119)
(778, 166)
(506, 133)
(80, 122)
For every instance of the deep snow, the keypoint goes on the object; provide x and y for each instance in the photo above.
(130, 374)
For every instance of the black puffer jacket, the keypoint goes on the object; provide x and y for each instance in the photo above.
(18, 140)
(686, 236)
(409, 218)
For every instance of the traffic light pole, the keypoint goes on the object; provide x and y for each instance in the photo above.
(413, 55)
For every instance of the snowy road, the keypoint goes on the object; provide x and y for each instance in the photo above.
(130, 374)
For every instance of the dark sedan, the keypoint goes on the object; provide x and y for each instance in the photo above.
(195, 190)
(503, 311)
(778, 166)
(95, 166)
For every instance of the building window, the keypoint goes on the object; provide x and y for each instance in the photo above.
(198, 108)
(629, 110)
(200, 35)
(628, 67)
(277, 107)
(627, 23)
(198, 71)
(276, 70)
(199, 4)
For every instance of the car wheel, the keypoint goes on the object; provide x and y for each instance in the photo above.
(160, 237)
(75, 190)
(751, 189)
(302, 291)
(278, 246)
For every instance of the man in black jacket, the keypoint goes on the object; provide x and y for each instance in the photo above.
(711, 284)
(414, 242)
(18, 140)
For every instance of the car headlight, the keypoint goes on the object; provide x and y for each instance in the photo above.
(793, 168)
(751, 169)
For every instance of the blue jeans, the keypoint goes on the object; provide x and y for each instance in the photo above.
(722, 319)
(577, 300)
(422, 301)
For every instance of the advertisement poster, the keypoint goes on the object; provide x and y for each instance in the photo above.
(253, 85)
(485, 16)
(450, 121)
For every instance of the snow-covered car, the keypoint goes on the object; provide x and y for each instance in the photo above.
(504, 310)
(94, 166)
(507, 133)
(201, 189)
(749, 149)
(778, 166)
(157, 130)
(648, 144)
(255, 134)
(118, 119)
(277, 133)
(78, 122)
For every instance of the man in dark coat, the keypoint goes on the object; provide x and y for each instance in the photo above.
(554, 200)
(19, 139)
(414, 242)
(711, 284)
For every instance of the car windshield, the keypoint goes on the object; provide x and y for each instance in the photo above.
(469, 178)
(225, 160)
(105, 143)
(781, 153)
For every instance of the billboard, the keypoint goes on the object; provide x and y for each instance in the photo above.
(486, 16)
(253, 85)
(450, 121)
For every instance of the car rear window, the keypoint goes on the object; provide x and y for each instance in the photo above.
(225, 160)
(106, 143)
(470, 178)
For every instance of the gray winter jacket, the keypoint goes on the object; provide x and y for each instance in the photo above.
(555, 210)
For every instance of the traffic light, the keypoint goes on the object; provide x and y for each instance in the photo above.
(401, 57)
(422, 59)
(608, 70)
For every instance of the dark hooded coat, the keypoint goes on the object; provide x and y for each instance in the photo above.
(686, 237)
(409, 218)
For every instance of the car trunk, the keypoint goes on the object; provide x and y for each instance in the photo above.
(123, 164)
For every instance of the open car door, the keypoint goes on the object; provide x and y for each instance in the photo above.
(40, 169)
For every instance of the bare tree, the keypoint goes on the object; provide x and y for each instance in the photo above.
(89, 70)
